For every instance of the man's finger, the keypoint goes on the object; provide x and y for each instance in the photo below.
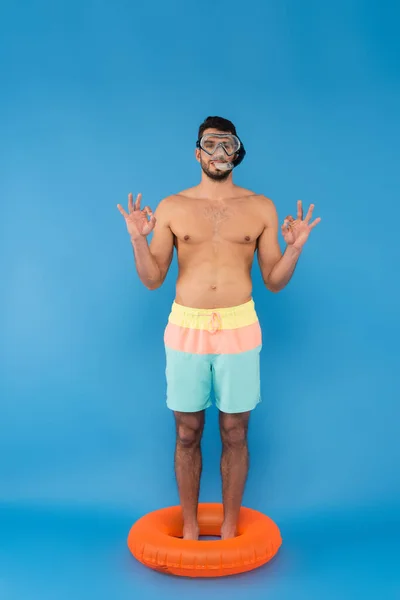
(122, 211)
(130, 202)
(137, 203)
(148, 228)
(148, 211)
(315, 222)
(299, 210)
(309, 214)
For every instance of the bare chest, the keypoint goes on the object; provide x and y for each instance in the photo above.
(217, 222)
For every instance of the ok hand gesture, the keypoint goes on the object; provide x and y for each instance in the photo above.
(136, 221)
(295, 232)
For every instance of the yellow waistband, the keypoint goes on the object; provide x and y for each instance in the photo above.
(230, 317)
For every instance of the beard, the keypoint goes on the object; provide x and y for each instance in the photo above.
(214, 174)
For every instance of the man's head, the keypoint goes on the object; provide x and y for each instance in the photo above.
(218, 147)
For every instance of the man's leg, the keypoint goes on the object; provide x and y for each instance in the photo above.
(188, 466)
(234, 467)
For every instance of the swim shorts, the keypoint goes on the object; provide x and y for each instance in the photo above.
(216, 349)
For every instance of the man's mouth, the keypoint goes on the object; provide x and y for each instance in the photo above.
(222, 165)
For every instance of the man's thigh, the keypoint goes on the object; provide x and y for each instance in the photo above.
(236, 381)
(189, 381)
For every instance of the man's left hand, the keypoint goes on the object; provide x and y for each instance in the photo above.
(295, 232)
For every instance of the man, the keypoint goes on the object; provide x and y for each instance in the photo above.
(213, 337)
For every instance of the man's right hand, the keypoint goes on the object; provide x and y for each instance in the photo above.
(136, 221)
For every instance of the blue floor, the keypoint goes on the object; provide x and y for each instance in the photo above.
(55, 554)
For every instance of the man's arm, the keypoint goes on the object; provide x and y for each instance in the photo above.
(153, 260)
(276, 268)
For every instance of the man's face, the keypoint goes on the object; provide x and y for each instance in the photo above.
(209, 162)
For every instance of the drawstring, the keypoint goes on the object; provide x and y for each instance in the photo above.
(215, 322)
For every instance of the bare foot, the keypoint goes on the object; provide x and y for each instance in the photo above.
(227, 532)
(190, 533)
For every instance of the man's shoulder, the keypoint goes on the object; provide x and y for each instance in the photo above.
(265, 202)
(264, 208)
(256, 196)
(175, 199)
(167, 203)
(261, 200)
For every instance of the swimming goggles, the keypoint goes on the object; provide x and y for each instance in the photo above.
(210, 142)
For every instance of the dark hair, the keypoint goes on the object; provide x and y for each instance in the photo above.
(217, 123)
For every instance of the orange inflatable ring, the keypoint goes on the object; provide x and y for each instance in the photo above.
(156, 541)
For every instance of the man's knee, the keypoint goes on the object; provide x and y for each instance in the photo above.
(234, 436)
(234, 429)
(189, 429)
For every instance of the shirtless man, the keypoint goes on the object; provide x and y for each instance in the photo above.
(213, 337)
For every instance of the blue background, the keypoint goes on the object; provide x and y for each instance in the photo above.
(102, 98)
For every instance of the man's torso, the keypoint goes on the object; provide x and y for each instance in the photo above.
(215, 242)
